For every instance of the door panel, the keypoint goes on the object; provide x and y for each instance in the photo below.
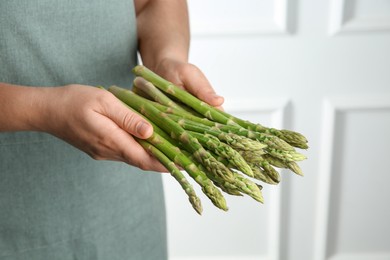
(318, 67)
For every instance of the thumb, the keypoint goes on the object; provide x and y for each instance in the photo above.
(132, 122)
(198, 85)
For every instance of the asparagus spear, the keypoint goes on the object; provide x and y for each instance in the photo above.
(175, 172)
(213, 144)
(261, 175)
(176, 155)
(258, 172)
(247, 147)
(277, 147)
(224, 186)
(234, 140)
(268, 170)
(241, 142)
(188, 99)
(158, 139)
(250, 188)
(251, 156)
(237, 185)
(190, 143)
(286, 155)
(294, 138)
(148, 88)
(293, 166)
(266, 139)
(275, 144)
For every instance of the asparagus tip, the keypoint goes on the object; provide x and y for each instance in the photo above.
(196, 204)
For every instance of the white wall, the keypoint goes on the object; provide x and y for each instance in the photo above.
(321, 68)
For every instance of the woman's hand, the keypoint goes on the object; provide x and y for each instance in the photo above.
(96, 122)
(164, 39)
(189, 77)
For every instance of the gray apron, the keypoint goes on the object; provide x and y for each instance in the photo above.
(55, 201)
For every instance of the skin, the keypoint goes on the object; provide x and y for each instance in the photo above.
(93, 120)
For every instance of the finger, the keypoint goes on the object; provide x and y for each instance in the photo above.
(129, 151)
(114, 143)
(128, 120)
(136, 155)
(220, 108)
(197, 84)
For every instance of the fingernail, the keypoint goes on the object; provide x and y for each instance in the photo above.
(217, 96)
(143, 129)
(221, 108)
(220, 99)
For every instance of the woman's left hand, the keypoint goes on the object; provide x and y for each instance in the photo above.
(190, 78)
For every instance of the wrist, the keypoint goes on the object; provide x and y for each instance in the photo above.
(22, 107)
(174, 48)
(41, 105)
(167, 57)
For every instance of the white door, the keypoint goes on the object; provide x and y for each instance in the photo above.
(318, 67)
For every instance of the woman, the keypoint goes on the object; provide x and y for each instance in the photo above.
(56, 202)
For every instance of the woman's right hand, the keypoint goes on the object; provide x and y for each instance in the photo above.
(93, 120)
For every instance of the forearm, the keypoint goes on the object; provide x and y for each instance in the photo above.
(163, 30)
(20, 107)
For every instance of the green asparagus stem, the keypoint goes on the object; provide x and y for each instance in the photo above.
(241, 142)
(213, 144)
(174, 114)
(260, 174)
(293, 166)
(250, 188)
(277, 146)
(141, 93)
(227, 189)
(148, 88)
(266, 139)
(190, 143)
(294, 138)
(237, 185)
(287, 156)
(175, 172)
(194, 123)
(224, 186)
(176, 155)
(256, 167)
(185, 97)
(251, 156)
(261, 162)
(234, 140)
(274, 147)
(269, 171)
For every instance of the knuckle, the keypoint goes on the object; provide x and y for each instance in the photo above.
(190, 69)
(104, 98)
(143, 166)
(139, 164)
(143, 163)
(96, 155)
(129, 121)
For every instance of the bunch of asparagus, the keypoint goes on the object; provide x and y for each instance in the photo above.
(220, 152)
